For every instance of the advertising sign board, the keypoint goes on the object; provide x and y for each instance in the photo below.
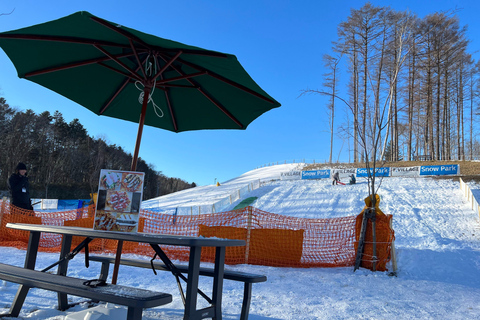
(316, 174)
(379, 172)
(344, 173)
(439, 170)
(118, 201)
(405, 172)
(291, 175)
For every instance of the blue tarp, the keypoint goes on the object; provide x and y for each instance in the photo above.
(72, 204)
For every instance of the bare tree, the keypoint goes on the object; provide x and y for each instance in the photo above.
(408, 84)
(330, 83)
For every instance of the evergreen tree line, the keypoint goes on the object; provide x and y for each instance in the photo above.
(63, 161)
(410, 79)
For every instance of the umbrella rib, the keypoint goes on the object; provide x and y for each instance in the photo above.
(169, 105)
(118, 30)
(136, 56)
(133, 73)
(230, 82)
(128, 75)
(143, 43)
(167, 64)
(174, 121)
(104, 108)
(164, 82)
(73, 65)
(120, 89)
(169, 85)
(219, 106)
(62, 39)
(212, 100)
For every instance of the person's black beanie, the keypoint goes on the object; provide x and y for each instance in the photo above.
(21, 166)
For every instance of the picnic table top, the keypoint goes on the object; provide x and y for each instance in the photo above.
(154, 238)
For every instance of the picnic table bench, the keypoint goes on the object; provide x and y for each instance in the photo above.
(246, 278)
(134, 298)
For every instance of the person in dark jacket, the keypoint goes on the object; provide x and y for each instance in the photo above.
(352, 179)
(19, 188)
(335, 178)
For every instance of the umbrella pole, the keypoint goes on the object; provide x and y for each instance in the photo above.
(133, 168)
(146, 95)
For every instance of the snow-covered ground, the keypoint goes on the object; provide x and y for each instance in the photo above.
(437, 243)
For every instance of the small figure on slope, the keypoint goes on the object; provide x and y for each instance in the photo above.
(335, 178)
(352, 179)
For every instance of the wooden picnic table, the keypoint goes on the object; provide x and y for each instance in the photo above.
(154, 240)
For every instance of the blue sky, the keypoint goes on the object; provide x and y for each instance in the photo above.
(279, 43)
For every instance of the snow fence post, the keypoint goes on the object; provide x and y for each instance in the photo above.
(392, 251)
(2, 208)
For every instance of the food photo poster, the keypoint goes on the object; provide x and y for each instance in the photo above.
(118, 202)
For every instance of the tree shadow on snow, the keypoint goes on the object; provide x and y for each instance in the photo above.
(169, 313)
(458, 266)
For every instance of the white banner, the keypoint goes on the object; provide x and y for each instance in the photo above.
(344, 173)
(405, 172)
(49, 204)
(291, 175)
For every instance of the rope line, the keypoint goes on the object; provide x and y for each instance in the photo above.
(150, 70)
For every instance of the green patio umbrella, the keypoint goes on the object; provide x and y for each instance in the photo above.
(123, 73)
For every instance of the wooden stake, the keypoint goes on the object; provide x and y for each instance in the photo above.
(392, 252)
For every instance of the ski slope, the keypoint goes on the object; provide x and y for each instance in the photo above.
(437, 243)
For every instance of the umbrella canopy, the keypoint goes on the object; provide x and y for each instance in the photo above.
(123, 73)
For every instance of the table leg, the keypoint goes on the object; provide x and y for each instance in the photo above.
(62, 270)
(192, 283)
(218, 281)
(30, 260)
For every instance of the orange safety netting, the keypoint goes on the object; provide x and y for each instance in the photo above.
(272, 239)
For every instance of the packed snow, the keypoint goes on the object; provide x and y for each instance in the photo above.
(437, 245)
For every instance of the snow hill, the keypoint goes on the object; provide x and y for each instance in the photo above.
(207, 195)
(437, 243)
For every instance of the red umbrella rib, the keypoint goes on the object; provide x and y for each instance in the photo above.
(124, 66)
(230, 82)
(39, 37)
(74, 65)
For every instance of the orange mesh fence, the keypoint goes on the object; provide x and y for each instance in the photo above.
(272, 239)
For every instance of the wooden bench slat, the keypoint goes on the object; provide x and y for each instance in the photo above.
(228, 274)
(117, 294)
(246, 278)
